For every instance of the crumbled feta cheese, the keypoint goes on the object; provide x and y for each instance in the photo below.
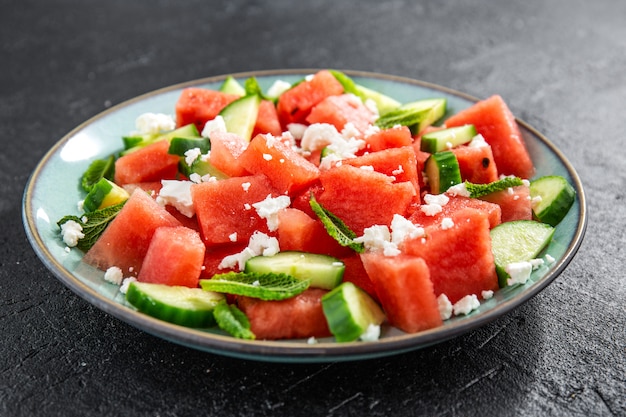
(350, 131)
(152, 123)
(259, 244)
(191, 155)
(318, 135)
(267, 156)
(232, 237)
(246, 186)
(81, 205)
(534, 201)
(67, 249)
(478, 141)
(268, 209)
(311, 340)
(374, 237)
(398, 171)
(371, 130)
(487, 294)
(256, 283)
(466, 305)
(431, 209)
(519, 272)
(371, 334)
(367, 167)
(178, 194)
(372, 106)
(125, 283)
(536, 263)
(445, 307)
(458, 190)
(297, 130)
(403, 229)
(440, 199)
(72, 232)
(217, 125)
(277, 88)
(114, 275)
(549, 259)
(447, 223)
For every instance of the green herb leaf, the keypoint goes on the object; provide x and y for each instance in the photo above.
(98, 169)
(335, 227)
(251, 85)
(269, 286)
(94, 225)
(232, 320)
(479, 190)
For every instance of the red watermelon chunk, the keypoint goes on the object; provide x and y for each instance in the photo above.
(394, 137)
(515, 203)
(340, 110)
(362, 198)
(151, 163)
(274, 157)
(199, 105)
(295, 104)
(355, 273)
(459, 258)
(405, 290)
(456, 205)
(175, 257)
(224, 208)
(476, 164)
(125, 241)
(225, 151)
(399, 163)
(493, 119)
(267, 120)
(294, 318)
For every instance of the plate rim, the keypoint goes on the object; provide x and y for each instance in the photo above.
(282, 351)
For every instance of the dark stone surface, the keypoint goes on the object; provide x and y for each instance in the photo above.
(561, 66)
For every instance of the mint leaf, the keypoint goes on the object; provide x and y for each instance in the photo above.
(268, 286)
(479, 190)
(335, 227)
(98, 169)
(232, 320)
(94, 224)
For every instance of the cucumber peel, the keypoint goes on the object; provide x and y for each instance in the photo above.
(240, 115)
(442, 170)
(554, 197)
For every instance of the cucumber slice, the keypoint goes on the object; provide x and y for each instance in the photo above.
(556, 198)
(201, 167)
(133, 143)
(441, 140)
(350, 311)
(322, 271)
(417, 115)
(178, 145)
(190, 307)
(384, 103)
(232, 86)
(103, 194)
(518, 241)
(442, 170)
(240, 115)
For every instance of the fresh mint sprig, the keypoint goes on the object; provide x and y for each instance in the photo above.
(479, 190)
(93, 224)
(266, 286)
(335, 227)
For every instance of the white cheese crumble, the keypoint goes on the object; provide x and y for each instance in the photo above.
(487, 294)
(268, 209)
(367, 167)
(259, 244)
(277, 88)
(81, 205)
(478, 141)
(197, 178)
(191, 155)
(403, 229)
(267, 156)
(466, 305)
(152, 123)
(458, 190)
(519, 272)
(371, 334)
(311, 340)
(317, 136)
(178, 194)
(550, 259)
(246, 186)
(398, 171)
(232, 237)
(297, 130)
(372, 106)
(125, 283)
(217, 125)
(445, 307)
(440, 199)
(447, 223)
(72, 232)
(114, 275)
(374, 237)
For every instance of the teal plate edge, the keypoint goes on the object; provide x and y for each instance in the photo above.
(45, 201)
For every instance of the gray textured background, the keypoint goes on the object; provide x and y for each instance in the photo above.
(560, 65)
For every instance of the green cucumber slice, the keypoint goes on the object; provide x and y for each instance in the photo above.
(350, 311)
(556, 198)
(442, 170)
(518, 241)
(240, 115)
(201, 167)
(103, 194)
(232, 86)
(440, 140)
(263, 286)
(190, 307)
(322, 271)
(133, 143)
(179, 145)
(384, 103)
(417, 115)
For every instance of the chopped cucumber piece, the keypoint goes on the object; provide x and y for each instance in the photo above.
(201, 167)
(384, 103)
(240, 115)
(442, 170)
(190, 307)
(103, 194)
(517, 241)
(133, 143)
(350, 311)
(178, 146)
(440, 140)
(263, 286)
(322, 271)
(417, 115)
(232, 86)
(553, 196)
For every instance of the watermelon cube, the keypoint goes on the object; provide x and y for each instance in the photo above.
(175, 257)
(476, 164)
(225, 151)
(394, 137)
(515, 203)
(340, 110)
(151, 163)
(267, 120)
(199, 105)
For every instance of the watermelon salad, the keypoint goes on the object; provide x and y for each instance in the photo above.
(316, 209)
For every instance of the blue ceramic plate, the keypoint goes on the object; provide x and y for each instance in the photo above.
(53, 192)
